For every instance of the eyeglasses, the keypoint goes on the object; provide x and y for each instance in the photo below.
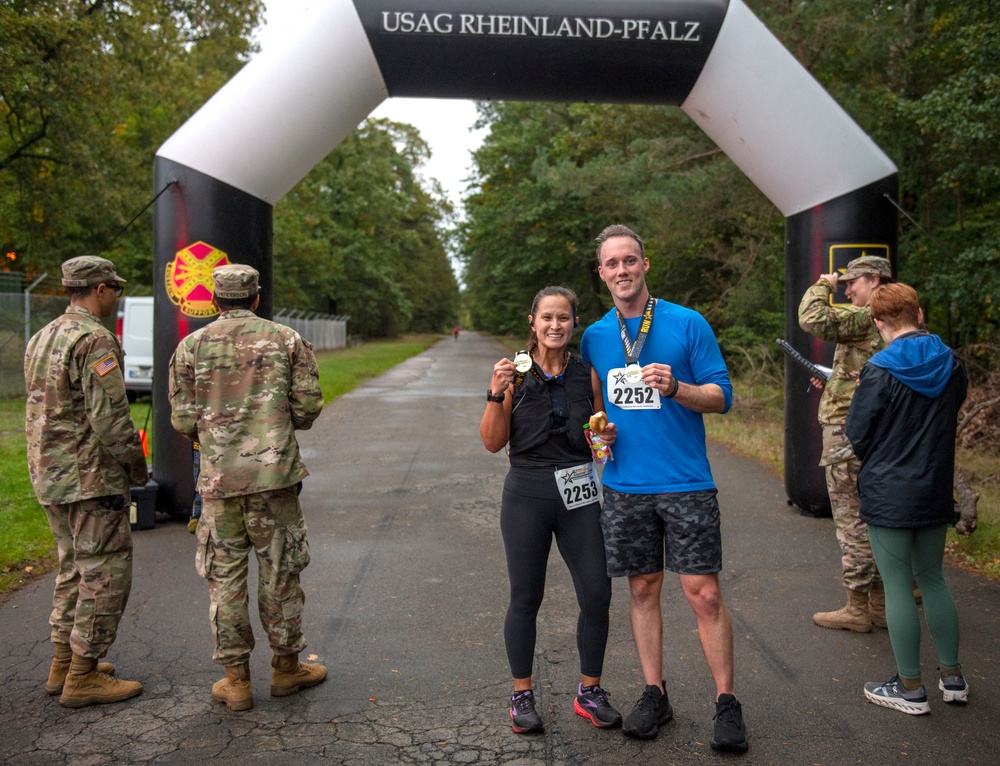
(116, 287)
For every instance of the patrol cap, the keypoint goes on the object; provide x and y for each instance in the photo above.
(234, 281)
(87, 270)
(866, 266)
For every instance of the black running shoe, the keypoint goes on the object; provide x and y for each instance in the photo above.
(652, 709)
(523, 718)
(730, 735)
(592, 702)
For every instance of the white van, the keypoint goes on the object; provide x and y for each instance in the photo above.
(135, 331)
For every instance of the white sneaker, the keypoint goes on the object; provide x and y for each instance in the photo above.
(892, 694)
(955, 689)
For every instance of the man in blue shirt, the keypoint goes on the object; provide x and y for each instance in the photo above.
(659, 368)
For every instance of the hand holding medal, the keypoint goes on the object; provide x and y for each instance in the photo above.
(503, 376)
(522, 363)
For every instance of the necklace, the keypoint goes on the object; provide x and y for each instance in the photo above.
(535, 367)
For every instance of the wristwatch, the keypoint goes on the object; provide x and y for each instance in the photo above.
(491, 398)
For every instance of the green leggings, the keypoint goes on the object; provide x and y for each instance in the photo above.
(902, 556)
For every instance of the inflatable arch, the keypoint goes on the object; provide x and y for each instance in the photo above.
(289, 107)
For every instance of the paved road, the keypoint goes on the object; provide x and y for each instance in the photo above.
(405, 601)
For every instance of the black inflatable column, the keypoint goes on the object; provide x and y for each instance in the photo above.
(199, 224)
(823, 240)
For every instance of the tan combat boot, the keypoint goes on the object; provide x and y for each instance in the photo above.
(854, 616)
(86, 685)
(290, 675)
(61, 657)
(234, 689)
(876, 605)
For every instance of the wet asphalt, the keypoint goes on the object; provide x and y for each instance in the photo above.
(406, 596)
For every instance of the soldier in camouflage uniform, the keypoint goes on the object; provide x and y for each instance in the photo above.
(851, 328)
(240, 387)
(84, 454)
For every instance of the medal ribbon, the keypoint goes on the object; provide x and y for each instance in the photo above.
(632, 348)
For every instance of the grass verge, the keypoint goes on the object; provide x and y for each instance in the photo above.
(26, 547)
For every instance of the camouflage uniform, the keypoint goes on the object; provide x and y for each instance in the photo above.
(240, 387)
(857, 339)
(83, 455)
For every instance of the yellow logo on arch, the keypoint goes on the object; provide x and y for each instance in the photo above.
(188, 279)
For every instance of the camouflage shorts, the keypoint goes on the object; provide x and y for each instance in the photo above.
(637, 529)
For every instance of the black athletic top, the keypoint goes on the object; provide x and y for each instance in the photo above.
(548, 416)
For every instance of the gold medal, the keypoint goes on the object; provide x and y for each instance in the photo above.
(522, 361)
(633, 373)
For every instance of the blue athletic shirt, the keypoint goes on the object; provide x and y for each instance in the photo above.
(659, 450)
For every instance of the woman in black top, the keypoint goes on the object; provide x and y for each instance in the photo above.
(550, 490)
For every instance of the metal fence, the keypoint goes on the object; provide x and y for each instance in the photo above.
(324, 331)
(24, 312)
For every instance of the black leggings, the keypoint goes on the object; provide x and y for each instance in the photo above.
(528, 523)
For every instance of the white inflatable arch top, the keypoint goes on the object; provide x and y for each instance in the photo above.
(292, 104)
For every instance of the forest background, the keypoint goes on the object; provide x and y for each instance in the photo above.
(89, 89)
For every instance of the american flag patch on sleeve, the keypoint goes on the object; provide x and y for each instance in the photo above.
(106, 365)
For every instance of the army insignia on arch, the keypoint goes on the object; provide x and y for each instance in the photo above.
(188, 279)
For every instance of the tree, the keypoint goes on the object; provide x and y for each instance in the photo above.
(358, 237)
(88, 90)
(920, 77)
(551, 176)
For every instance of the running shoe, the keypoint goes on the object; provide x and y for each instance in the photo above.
(652, 709)
(523, 718)
(892, 694)
(592, 702)
(729, 735)
(955, 688)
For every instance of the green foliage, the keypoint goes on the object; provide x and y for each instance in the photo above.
(359, 236)
(950, 114)
(551, 176)
(88, 90)
(922, 78)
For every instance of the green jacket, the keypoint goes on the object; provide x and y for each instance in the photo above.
(857, 339)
